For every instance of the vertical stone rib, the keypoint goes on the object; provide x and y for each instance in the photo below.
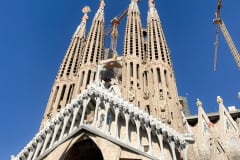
(164, 100)
(133, 55)
(93, 52)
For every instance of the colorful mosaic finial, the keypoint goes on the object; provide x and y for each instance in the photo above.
(102, 4)
(85, 11)
(151, 3)
(199, 103)
(219, 100)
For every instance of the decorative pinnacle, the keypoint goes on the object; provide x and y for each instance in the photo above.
(239, 95)
(219, 100)
(102, 4)
(199, 103)
(85, 11)
(151, 3)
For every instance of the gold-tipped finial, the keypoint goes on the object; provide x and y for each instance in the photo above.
(219, 100)
(102, 4)
(151, 3)
(85, 11)
(199, 103)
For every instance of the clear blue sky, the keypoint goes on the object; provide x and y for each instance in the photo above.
(34, 36)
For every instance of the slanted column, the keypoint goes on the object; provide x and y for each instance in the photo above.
(137, 122)
(49, 133)
(160, 140)
(148, 128)
(127, 118)
(98, 101)
(23, 157)
(85, 103)
(66, 115)
(172, 146)
(107, 106)
(184, 149)
(76, 108)
(116, 123)
(57, 123)
(39, 143)
(31, 151)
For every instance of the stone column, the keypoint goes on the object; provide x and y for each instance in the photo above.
(184, 149)
(65, 121)
(49, 133)
(31, 150)
(160, 139)
(39, 144)
(148, 128)
(98, 101)
(107, 106)
(127, 118)
(76, 108)
(57, 126)
(172, 146)
(85, 103)
(137, 121)
(116, 123)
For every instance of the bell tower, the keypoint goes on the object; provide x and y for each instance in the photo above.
(163, 95)
(93, 52)
(133, 56)
(65, 82)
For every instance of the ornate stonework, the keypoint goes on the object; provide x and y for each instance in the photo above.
(126, 107)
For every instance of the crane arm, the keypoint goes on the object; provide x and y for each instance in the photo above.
(220, 24)
(230, 43)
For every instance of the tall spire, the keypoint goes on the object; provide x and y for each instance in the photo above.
(65, 82)
(156, 36)
(133, 41)
(164, 99)
(133, 56)
(80, 32)
(95, 41)
(74, 53)
(94, 50)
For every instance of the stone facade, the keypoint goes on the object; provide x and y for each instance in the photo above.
(111, 107)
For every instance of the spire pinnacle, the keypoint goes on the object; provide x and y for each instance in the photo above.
(102, 4)
(199, 103)
(81, 28)
(85, 11)
(219, 100)
(151, 3)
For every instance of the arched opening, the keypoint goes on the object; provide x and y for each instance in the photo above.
(84, 149)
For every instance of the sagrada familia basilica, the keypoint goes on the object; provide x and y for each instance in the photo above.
(106, 106)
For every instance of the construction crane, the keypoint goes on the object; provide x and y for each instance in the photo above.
(221, 26)
(114, 35)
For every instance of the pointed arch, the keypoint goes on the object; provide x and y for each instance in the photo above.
(84, 148)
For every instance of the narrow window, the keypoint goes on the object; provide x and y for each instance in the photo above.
(82, 77)
(63, 91)
(146, 78)
(159, 75)
(148, 109)
(166, 79)
(131, 69)
(55, 94)
(70, 93)
(137, 71)
(88, 77)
